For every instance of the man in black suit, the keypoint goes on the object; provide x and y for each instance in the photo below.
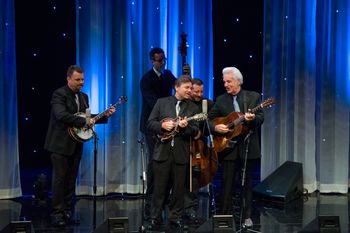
(171, 156)
(65, 151)
(237, 100)
(158, 82)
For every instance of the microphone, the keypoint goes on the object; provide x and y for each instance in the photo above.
(205, 110)
(205, 106)
(88, 116)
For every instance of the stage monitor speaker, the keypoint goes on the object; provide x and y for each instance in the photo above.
(218, 224)
(323, 224)
(114, 225)
(19, 227)
(284, 184)
(223, 223)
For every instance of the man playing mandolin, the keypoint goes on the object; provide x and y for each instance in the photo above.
(171, 155)
(232, 113)
(65, 151)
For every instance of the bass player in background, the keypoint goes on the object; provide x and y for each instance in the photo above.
(237, 100)
(156, 83)
(65, 151)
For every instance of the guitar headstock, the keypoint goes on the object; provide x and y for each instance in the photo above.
(183, 45)
(122, 99)
(200, 116)
(268, 102)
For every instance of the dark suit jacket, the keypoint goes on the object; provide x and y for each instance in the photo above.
(246, 100)
(165, 108)
(153, 88)
(63, 108)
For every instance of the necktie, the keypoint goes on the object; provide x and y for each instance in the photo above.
(235, 104)
(77, 101)
(177, 108)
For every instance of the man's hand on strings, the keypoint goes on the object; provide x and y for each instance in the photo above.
(110, 111)
(183, 122)
(249, 116)
(168, 125)
(221, 128)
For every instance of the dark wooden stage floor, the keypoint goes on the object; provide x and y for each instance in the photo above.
(267, 217)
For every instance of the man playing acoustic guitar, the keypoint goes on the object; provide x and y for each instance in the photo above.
(239, 102)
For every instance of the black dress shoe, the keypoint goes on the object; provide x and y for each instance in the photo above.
(58, 220)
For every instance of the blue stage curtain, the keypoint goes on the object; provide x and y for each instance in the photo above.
(306, 68)
(10, 185)
(113, 42)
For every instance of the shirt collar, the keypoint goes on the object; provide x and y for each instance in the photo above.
(157, 72)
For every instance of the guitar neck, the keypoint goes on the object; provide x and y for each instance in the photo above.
(102, 114)
(191, 118)
(198, 117)
(241, 118)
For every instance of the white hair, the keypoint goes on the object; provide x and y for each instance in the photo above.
(236, 74)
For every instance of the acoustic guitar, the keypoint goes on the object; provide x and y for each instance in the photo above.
(84, 134)
(234, 121)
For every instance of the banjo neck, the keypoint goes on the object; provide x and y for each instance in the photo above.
(121, 101)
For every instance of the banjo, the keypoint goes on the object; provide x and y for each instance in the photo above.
(85, 133)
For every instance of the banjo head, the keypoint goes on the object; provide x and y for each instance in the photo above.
(82, 134)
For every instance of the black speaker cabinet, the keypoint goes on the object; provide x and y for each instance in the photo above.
(323, 224)
(114, 225)
(284, 184)
(19, 227)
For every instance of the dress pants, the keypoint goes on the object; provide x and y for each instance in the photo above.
(169, 172)
(150, 142)
(230, 169)
(65, 171)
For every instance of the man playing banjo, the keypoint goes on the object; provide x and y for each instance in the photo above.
(65, 151)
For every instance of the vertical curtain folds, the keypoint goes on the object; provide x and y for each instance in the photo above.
(113, 42)
(307, 70)
(10, 185)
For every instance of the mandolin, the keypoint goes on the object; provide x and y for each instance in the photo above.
(167, 135)
(234, 121)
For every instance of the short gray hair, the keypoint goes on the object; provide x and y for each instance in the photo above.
(235, 72)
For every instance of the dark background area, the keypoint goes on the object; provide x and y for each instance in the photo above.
(45, 47)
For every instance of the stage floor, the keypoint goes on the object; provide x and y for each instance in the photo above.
(267, 217)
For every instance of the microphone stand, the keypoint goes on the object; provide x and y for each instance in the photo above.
(142, 228)
(211, 186)
(95, 172)
(246, 144)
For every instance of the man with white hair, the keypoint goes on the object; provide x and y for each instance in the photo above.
(233, 156)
